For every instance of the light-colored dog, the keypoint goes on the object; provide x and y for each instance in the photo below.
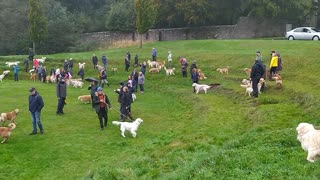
(5, 72)
(201, 87)
(201, 75)
(309, 138)
(152, 64)
(132, 127)
(154, 70)
(169, 71)
(85, 99)
(33, 76)
(10, 116)
(247, 71)
(5, 132)
(1, 77)
(81, 65)
(42, 60)
(12, 63)
(134, 97)
(223, 70)
(248, 87)
(114, 69)
(278, 79)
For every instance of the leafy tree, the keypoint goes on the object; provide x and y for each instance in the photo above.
(145, 16)
(38, 23)
(121, 17)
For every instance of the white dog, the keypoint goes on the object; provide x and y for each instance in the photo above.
(5, 72)
(42, 60)
(169, 71)
(310, 140)
(129, 126)
(134, 97)
(1, 77)
(81, 65)
(248, 87)
(12, 63)
(201, 87)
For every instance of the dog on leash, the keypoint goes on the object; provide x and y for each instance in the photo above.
(309, 138)
(10, 116)
(5, 132)
(132, 127)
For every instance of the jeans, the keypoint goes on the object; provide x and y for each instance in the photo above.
(103, 114)
(16, 77)
(35, 116)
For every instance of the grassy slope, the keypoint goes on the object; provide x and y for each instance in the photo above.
(222, 134)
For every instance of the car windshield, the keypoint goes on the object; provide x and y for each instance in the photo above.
(315, 29)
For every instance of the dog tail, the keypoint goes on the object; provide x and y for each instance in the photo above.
(12, 126)
(116, 123)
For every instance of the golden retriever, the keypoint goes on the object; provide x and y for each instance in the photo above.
(114, 69)
(154, 70)
(201, 75)
(10, 116)
(85, 99)
(247, 71)
(278, 79)
(223, 70)
(201, 87)
(169, 71)
(309, 138)
(33, 76)
(5, 132)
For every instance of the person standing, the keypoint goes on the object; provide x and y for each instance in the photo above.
(194, 77)
(154, 54)
(35, 106)
(94, 61)
(61, 91)
(31, 54)
(100, 102)
(70, 64)
(129, 56)
(141, 82)
(273, 65)
(16, 72)
(143, 67)
(257, 72)
(120, 94)
(81, 73)
(258, 56)
(26, 64)
(169, 59)
(93, 88)
(193, 65)
(125, 105)
(136, 60)
(104, 60)
(103, 78)
(126, 63)
(184, 66)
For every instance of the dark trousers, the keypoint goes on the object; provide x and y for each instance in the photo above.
(26, 67)
(102, 115)
(61, 103)
(255, 82)
(273, 70)
(184, 73)
(141, 87)
(16, 77)
(127, 67)
(125, 113)
(154, 58)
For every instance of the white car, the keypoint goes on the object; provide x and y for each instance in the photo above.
(307, 33)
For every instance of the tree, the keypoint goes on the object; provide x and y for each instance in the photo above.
(121, 17)
(38, 23)
(145, 16)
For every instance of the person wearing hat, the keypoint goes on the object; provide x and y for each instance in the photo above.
(35, 106)
(100, 102)
(120, 93)
(193, 66)
(93, 88)
(61, 91)
(273, 65)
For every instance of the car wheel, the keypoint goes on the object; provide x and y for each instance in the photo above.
(315, 38)
(290, 38)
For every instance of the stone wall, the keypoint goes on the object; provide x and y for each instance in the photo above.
(245, 28)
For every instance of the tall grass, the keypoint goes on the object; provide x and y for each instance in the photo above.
(219, 135)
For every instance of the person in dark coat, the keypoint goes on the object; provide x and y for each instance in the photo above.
(193, 65)
(194, 77)
(81, 73)
(94, 61)
(120, 94)
(70, 65)
(31, 54)
(143, 68)
(35, 106)
(104, 60)
(125, 105)
(257, 72)
(100, 103)
(26, 64)
(136, 60)
(93, 88)
(61, 91)
(126, 63)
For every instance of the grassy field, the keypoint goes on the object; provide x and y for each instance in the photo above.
(219, 135)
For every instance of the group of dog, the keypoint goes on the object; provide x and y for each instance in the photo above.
(5, 132)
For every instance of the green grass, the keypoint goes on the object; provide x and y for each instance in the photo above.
(219, 135)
